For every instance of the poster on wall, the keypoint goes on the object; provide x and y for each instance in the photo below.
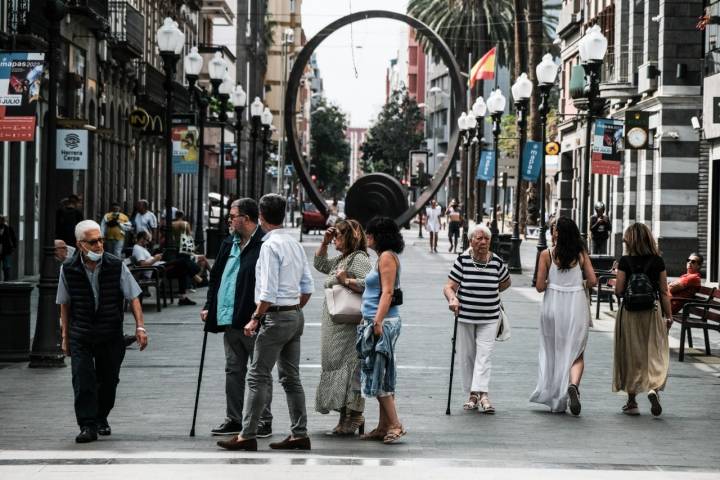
(185, 149)
(486, 167)
(20, 77)
(71, 149)
(607, 148)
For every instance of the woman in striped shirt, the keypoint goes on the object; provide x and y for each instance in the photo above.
(473, 294)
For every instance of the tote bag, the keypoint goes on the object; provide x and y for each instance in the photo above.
(343, 304)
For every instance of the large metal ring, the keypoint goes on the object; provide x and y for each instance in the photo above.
(458, 97)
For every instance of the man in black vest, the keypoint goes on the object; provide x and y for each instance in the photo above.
(230, 303)
(91, 291)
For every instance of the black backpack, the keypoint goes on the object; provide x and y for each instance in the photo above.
(640, 292)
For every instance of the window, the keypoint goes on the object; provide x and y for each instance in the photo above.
(712, 38)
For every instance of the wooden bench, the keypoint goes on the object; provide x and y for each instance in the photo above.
(703, 314)
(151, 276)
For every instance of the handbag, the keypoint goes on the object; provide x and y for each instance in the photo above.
(187, 244)
(343, 304)
(397, 295)
(503, 326)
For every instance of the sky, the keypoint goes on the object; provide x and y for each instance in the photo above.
(375, 42)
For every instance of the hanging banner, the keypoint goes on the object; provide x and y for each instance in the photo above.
(607, 148)
(20, 77)
(532, 161)
(71, 149)
(486, 167)
(185, 149)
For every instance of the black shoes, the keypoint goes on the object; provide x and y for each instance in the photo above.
(186, 301)
(86, 435)
(574, 396)
(290, 443)
(104, 429)
(655, 407)
(264, 431)
(249, 445)
(230, 427)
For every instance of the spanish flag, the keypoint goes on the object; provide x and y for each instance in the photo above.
(484, 69)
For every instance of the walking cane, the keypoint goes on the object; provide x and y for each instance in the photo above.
(452, 365)
(197, 394)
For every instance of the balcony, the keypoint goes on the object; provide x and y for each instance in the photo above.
(569, 21)
(217, 10)
(95, 10)
(26, 19)
(126, 30)
(151, 89)
(619, 79)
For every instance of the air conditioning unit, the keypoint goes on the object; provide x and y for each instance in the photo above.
(648, 74)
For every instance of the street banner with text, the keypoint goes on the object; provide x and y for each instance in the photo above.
(71, 149)
(20, 77)
(486, 167)
(607, 148)
(185, 149)
(532, 161)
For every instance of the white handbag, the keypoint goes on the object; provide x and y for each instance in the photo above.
(503, 326)
(343, 305)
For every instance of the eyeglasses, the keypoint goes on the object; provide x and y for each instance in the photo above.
(233, 217)
(691, 260)
(94, 242)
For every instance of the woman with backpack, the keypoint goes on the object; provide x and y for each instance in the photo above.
(642, 354)
(564, 319)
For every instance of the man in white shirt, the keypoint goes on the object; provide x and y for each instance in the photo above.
(144, 220)
(283, 286)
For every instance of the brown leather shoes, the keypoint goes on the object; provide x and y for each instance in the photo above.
(289, 443)
(249, 445)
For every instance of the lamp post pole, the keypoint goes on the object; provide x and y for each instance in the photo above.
(238, 141)
(46, 350)
(222, 117)
(478, 142)
(169, 59)
(496, 117)
(592, 90)
(265, 132)
(514, 262)
(202, 105)
(254, 132)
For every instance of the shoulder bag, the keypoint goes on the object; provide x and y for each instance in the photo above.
(397, 296)
(344, 304)
(503, 326)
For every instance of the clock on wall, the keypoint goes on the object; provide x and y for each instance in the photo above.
(636, 137)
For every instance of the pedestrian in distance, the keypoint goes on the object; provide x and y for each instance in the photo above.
(473, 294)
(144, 220)
(114, 225)
(380, 330)
(283, 285)
(8, 244)
(564, 318)
(63, 252)
(684, 288)
(641, 354)
(66, 217)
(230, 303)
(339, 387)
(600, 228)
(182, 238)
(92, 290)
(433, 212)
(454, 221)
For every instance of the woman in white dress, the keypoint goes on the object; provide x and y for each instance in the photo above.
(432, 223)
(565, 318)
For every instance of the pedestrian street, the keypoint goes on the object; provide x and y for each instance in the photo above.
(153, 411)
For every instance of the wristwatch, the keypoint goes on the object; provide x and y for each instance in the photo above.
(256, 316)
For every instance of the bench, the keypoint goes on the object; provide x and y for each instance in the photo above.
(604, 291)
(699, 314)
(156, 279)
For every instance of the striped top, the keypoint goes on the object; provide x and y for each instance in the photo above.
(478, 293)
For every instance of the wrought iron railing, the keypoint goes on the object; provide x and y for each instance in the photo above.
(127, 27)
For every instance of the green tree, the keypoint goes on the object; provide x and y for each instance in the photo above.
(329, 150)
(395, 132)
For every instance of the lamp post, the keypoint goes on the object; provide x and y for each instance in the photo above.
(288, 39)
(496, 105)
(193, 66)
(46, 342)
(217, 68)
(591, 47)
(266, 119)
(256, 109)
(239, 100)
(170, 42)
(521, 91)
(224, 90)
(464, 174)
(479, 109)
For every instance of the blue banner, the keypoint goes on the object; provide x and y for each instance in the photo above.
(486, 167)
(532, 161)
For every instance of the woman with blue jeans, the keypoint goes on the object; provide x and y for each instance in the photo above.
(378, 334)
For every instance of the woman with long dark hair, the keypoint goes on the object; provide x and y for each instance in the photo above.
(565, 318)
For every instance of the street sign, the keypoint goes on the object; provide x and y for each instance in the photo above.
(552, 148)
(607, 147)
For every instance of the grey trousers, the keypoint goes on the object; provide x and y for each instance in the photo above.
(238, 350)
(278, 341)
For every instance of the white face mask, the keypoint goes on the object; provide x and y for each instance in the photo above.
(92, 256)
(70, 251)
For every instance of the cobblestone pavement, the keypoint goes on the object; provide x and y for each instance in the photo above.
(152, 416)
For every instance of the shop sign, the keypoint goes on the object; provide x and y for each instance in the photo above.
(71, 149)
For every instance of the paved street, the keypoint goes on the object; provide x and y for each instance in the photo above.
(153, 412)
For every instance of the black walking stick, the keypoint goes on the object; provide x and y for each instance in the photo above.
(197, 394)
(452, 365)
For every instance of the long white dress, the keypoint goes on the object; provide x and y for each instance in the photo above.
(564, 324)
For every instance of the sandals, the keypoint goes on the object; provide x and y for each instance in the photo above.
(472, 403)
(486, 406)
(631, 408)
(374, 434)
(393, 435)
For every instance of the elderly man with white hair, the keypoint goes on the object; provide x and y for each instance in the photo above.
(473, 294)
(91, 292)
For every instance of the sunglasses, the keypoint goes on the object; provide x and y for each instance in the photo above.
(233, 217)
(92, 243)
(693, 261)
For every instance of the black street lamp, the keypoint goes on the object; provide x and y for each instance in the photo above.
(239, 100)
(217, 70)
(479, 109)
(591, 47)
(266, 121)
(170, 41)
(464, 174)
(496, 104)
(521, 91)
(256, 109)
(199, 102)
(46, 350)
